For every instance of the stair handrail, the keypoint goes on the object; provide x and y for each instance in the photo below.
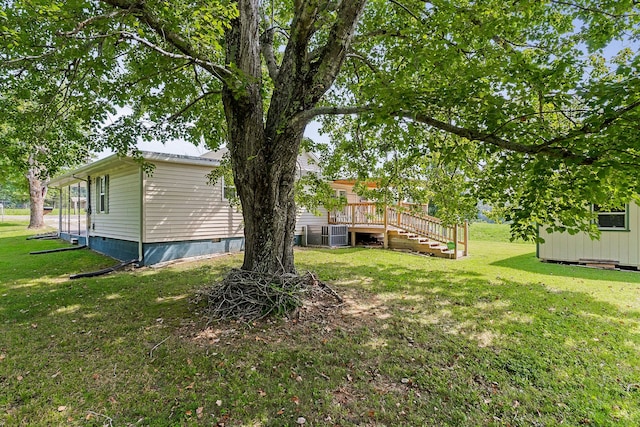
(401, 218)
(424, 225)
(431, 227)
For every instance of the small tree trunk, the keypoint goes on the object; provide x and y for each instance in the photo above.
(37, 193)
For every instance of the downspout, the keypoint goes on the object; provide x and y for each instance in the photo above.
(141, 219)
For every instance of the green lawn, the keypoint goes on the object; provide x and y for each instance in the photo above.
(23, 212)
(497, 338)
(490, 232)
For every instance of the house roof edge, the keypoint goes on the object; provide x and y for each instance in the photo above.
(80, 173)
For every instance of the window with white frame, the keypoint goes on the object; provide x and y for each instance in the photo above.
(102, 194)
(611, 218)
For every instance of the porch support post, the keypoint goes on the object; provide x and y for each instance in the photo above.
(78, 212)
(455, 241)
(60, 212)
(353, 238)
(466, 238)
(88, 211)
(69, 210)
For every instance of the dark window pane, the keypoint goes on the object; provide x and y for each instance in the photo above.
(611, 221)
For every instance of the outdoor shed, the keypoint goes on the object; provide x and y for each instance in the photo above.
(619, 243)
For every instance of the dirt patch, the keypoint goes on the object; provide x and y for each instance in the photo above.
(320, 314)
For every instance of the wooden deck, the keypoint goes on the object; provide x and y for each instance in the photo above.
(404, 227)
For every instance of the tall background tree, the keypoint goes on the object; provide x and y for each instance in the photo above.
(14, 189)
(43, 132)
(50, 108)
(545, 122)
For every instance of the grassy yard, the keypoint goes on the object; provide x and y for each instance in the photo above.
(14, 211)
(497, 338)
(24, 212)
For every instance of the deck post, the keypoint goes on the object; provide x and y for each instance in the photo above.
(353, 239)
(466, 238)
(385, 241)
(455, 241)
(353, 215)
(386, 218)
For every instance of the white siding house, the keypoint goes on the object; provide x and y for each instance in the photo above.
(180, 205)
(170, 213)
(120, 218)
(619, 242)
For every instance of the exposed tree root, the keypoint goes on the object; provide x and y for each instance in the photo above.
(249, 295)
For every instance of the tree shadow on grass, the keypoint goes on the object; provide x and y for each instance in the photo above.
(10, 224)
(550, 348)
(414, 345)
(531, 264)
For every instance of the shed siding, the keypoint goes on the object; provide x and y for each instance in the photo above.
(123, 219)
(180, 205)
(620, 246)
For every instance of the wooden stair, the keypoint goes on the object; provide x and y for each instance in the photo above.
(409, 241)
(404, 228)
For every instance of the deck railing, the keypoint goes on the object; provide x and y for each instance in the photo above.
(402, 218)
(358, 214)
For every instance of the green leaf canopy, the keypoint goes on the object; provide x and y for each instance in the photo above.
(530, 105)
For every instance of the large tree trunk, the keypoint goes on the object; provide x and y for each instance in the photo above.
(265, 185)
(37, 193)
(263, 149)
(264, 167)
(263, 161)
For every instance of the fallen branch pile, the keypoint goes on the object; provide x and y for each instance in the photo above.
(249, 295)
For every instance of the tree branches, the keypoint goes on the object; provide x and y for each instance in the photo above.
(332, 55)
(219, 72)
(176, 40)
(266, 47)
(552, 147)
(191, 104)
(83, 24)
